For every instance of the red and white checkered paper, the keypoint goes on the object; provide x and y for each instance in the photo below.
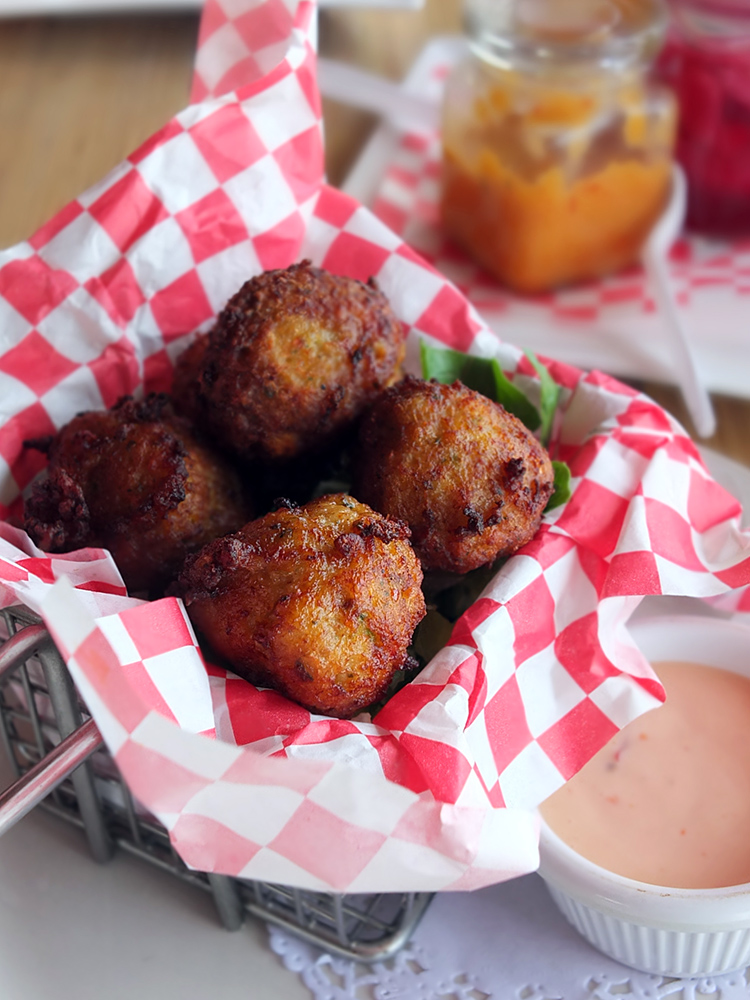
(438, 791)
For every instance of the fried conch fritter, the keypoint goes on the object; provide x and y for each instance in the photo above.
(133, 480)
(293, 359)
(467, 477)
(318, 602)
(185, 392)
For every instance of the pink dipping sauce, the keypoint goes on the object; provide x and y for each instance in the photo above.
(667, 801)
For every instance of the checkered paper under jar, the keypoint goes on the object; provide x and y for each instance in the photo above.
(438, 790)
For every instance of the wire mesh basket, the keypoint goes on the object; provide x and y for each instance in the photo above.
(61, 764)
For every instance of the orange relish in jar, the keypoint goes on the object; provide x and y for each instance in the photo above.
(557, 148)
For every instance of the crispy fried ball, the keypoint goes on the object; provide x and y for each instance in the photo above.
(133, 480)
(294, 358)
(319, 602)
(185, 392)
(467, 477)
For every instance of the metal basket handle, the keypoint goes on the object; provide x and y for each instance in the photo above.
(28, 790)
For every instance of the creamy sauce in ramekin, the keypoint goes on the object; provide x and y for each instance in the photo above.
(667, 801)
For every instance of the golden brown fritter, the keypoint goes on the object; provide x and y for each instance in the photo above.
(467, 477)
(294, 358)
(319, 602)
(185, 392)
(133, 480)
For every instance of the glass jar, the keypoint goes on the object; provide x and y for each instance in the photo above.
(557, 149)
(707, 63)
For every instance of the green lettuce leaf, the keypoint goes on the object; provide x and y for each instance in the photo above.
(562, 485)
(548, 399)
(481, 374)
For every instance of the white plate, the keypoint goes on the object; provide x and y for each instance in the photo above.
(74, 930)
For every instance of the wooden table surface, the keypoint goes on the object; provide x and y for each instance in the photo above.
(78, 94)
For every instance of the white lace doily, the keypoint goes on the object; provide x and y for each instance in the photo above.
(507, 942)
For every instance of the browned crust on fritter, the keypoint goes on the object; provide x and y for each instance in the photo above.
(319, 602)
(294, 358)
(186, 381)
(57, 515)
(134, 480)
(468, 478)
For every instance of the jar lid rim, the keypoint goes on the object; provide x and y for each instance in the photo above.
(493, 27)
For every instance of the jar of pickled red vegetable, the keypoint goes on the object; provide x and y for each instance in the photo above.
(557, 147)
(707, 62)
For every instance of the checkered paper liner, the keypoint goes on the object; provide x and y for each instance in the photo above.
(613, 322)
(438, 790)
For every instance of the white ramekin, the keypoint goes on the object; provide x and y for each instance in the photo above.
(662, 930)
